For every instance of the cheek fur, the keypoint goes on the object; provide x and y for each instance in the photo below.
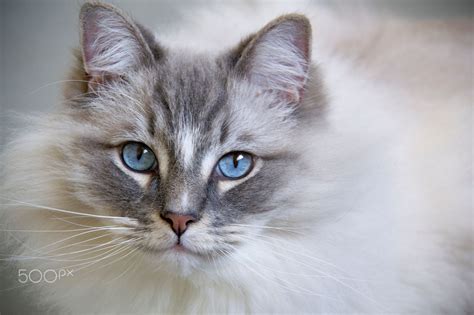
(99, 181)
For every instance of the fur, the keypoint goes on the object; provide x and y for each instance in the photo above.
(361, 201)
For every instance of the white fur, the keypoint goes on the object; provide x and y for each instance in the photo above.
(388, 221)
(208, 163)
(186, 146)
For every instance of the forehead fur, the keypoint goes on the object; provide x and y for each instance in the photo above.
(187, 100)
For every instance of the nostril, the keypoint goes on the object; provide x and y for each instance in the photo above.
(168, 220)
(178, 222)
(189, 220)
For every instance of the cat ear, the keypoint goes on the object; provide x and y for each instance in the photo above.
(112, 44)
(277, 58)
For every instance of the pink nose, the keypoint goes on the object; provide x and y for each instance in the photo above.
(178, 222)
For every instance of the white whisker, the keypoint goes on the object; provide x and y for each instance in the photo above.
(59, 231)
(53, 258)
(74, 236)
(130, 266)
(282, 228)
(322, 272)
(89, 250)
(114, 261)
(110, 255)
(80, 242)
(65, 211)
(55, 82)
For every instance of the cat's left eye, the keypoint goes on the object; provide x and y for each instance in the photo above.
(138, 157)
(235, 165)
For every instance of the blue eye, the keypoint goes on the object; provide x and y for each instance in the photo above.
(138, 157)
(235, 165)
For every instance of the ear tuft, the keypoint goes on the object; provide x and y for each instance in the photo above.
(277, 58)
(112, 44)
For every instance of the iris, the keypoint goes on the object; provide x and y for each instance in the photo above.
(235, 165)
(138, 157)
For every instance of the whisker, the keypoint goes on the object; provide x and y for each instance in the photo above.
(114, 253)
(63, 211)
(80, 242)
(56, 231)
(131, 265)
(115, 248)
(112, 262)
(74, 236)
(286, 229)
(53, 83)
(279, 241)
(324, 273)
(93, 249)
(286, 287)
(52, 258)
(124, 220)
(70, 222)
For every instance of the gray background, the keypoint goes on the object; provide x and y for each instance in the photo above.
(36, 39)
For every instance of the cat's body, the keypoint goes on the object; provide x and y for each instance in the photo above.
(371, 211)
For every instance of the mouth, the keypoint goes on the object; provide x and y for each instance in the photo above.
(179, 248)
(176, 249)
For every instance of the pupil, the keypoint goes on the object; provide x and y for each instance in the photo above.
(236, 162)
(139, 152)
(236, 159)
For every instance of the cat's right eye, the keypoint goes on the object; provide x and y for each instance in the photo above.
(138, 157)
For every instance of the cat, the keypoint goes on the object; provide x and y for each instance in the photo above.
(288, 172)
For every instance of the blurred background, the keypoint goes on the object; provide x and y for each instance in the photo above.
(36, 40)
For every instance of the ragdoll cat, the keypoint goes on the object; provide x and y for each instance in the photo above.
(281, 174)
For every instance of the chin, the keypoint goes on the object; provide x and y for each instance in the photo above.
(178, 260)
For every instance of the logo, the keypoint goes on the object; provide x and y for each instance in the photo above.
(48, 275)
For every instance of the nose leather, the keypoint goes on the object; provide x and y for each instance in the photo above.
(178, 222)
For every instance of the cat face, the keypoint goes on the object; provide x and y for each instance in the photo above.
(195, 150)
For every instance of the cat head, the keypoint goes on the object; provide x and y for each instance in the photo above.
(198, 150)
